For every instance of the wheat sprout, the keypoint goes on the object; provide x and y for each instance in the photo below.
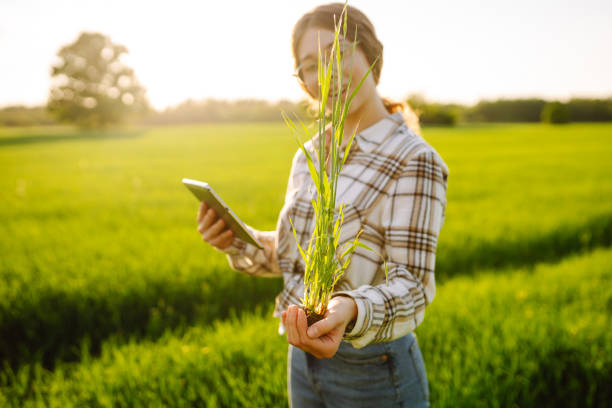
(324, 261)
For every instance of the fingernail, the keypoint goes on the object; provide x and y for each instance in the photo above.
(312, 332)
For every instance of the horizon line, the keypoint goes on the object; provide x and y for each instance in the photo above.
(577, 95)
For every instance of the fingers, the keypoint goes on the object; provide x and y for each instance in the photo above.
(213, 230)
(201, 211)
(291, 326)
(323, 326)
(296, 324)
(302, 324)
(223, 240)
(209, 217)
(328, 344)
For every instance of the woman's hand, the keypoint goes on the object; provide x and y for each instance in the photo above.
(213, 230)
(323, 338)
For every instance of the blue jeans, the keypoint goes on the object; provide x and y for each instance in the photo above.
(387, 374)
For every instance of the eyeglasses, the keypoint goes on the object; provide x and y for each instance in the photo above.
(312, 67)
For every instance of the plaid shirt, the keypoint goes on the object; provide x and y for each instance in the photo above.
(394, 187)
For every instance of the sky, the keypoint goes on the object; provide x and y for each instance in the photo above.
(449, 51)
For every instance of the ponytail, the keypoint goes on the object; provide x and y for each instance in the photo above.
(410, 117)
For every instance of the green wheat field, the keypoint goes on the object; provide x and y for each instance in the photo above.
(109, 297)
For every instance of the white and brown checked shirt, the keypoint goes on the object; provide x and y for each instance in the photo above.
(394, 186)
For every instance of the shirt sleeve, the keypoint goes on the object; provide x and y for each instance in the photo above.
(411, 218)
(248, 258)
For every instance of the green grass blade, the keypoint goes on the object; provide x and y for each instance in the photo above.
(297, 241)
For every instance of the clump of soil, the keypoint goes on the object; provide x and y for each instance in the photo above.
(312, 317)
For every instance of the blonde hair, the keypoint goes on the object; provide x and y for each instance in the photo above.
(323, 17)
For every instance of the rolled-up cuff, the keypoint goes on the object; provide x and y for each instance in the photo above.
(361, 322)
(237, 247)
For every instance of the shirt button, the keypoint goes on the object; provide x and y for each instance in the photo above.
(384, 357)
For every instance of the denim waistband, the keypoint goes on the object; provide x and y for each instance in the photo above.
(376, 349)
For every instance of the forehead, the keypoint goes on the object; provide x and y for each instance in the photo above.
(308, 46)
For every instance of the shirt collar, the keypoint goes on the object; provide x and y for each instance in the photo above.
(371, 137)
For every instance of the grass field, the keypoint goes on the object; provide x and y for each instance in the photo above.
(99, 251)
(528, 337)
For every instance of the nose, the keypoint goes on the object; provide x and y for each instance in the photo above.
(312, 83)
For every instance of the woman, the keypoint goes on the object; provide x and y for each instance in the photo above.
(364, 352)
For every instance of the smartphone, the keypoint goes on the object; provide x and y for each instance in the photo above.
(204, 192)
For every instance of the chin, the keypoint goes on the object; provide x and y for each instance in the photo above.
(355, 105)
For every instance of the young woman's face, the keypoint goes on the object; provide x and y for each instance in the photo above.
(307, 53)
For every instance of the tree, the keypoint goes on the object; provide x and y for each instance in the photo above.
(92, 87)
(431, 113)
(555, 112)
(507, 110)
(590, 110)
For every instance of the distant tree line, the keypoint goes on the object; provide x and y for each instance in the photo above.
(430, 113)
(535, 110)
(220, 110)
(213, 110)
(19, 115)
(513, 110)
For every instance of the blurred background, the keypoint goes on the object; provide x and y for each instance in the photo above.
(109, 297)
(470, 60)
